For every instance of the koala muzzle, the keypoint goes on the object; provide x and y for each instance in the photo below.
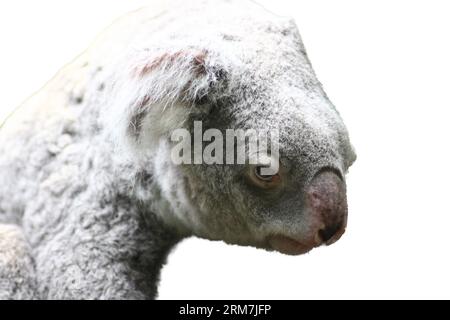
(327, 202)
(326, 209)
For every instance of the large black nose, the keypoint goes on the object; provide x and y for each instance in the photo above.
(328, 205)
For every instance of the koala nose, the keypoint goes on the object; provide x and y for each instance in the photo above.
(328, 206)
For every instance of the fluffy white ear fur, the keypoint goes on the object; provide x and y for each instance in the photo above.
(153, 92)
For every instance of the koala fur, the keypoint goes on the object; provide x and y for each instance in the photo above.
(16, 265)
(85, 163)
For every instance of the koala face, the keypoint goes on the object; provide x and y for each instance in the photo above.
(300, 207)
(258, 79)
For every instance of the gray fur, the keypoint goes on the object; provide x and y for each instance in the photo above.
(17, 279)
(85, 162)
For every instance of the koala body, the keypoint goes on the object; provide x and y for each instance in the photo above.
(86, 166)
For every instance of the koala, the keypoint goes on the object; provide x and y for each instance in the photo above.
(90, 188)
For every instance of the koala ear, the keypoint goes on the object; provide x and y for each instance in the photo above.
(185, 75)
(158, 90)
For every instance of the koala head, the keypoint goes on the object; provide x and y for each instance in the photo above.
(258, 79)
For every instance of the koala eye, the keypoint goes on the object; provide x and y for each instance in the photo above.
(264, 181)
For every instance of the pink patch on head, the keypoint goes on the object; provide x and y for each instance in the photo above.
(167, 60)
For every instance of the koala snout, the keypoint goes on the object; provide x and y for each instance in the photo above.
(327, 203)
(326, 209)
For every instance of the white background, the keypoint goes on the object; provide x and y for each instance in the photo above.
(386, 66)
